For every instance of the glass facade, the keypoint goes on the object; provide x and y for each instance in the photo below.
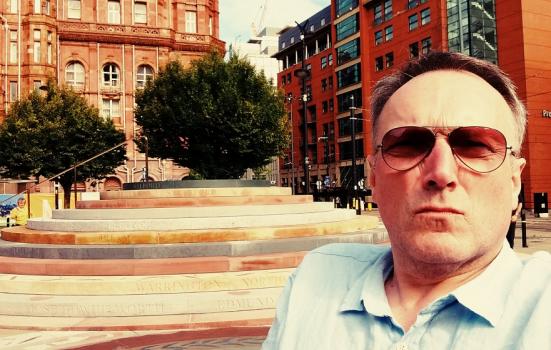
(348, 27)
(345, 127)
(348, 51)
(344, 101)
(344, 6)
(472, 28)
(349, 76)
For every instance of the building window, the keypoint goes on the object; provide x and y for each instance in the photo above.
(414, 50)
(348, 27)
(324, 107)
(140, 12)
(49, 52)
(113, 12)
(412, 4)
(344, 6)
(283, 79)
(37, 84)
(322, 22)
(210, 26)
(144, 74)
(426, 45)
(389, 33)
(13, 6)
(412, 22)
(37, 6)
(330, 59)
(378, 37)
(323, 84)
(388, 9)
(73, 9)
(348, 51)
(389, 58)
(110, 108)
(191, 22)
(36, 46)
(330, 82)
(74, 74)
(331, 105)
(425, 16)
(378, 14)
(47, 7)
(349, 76)
(13, 91)
(110, 75)
(379, 64)
(344, 101)
(323, 62)
(13, 46)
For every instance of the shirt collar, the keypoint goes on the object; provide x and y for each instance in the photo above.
(368, 291)
(487, 293)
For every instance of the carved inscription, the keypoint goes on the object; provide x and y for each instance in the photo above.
(206, 285)
(83, 310)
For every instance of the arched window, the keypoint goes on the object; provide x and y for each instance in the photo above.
(144, 73)
(112, 184)
(110, 75)
(74, 74)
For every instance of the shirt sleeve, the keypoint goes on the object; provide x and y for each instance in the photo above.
(273, 339)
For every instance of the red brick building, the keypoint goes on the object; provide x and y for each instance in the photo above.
(371, 38)
(105, 49)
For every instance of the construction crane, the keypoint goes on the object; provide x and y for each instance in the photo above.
(258, 24)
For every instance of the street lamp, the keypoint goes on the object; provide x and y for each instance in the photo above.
(303, 74)
(354, 178)
(289, 100)
(146, 149)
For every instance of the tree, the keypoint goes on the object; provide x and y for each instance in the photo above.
(45, 135)
(218, 118)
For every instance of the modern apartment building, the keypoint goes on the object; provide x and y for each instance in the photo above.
(371, 37)
(104, 49)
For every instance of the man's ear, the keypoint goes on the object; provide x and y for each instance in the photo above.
(516, 170)
(371, 177)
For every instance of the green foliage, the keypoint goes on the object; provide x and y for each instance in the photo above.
(44, 135)
(218, 118)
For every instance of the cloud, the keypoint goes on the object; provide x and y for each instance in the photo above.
(236, 16)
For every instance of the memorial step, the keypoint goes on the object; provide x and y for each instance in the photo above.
(197, 192)
(191, 201)
(352, 224)
(180, 250)
(252, 219)
(167, 213)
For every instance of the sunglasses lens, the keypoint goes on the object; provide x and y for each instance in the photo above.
(481, 149)
(405, 147)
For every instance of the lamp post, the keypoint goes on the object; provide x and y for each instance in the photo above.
(302, 73)
(146, 149)
(354, 178)
(290, 101)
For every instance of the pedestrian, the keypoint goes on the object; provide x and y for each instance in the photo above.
(513, 225)
(19, 215)
(445, 173)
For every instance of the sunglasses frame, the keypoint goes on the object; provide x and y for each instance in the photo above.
(441, 130)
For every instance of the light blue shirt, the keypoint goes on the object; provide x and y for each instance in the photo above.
(336, 300)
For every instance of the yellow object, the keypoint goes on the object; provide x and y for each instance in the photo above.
(19, 216)
(369, 206)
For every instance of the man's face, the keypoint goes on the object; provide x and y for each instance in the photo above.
(440, 211)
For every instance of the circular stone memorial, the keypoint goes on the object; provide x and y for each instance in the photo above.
(166, 255)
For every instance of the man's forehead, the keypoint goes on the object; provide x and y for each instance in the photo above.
(445, 97)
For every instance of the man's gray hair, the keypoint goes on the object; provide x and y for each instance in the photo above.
(436, 60)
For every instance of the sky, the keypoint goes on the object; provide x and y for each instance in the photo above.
(236, 16)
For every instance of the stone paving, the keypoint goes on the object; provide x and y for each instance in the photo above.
(538, 238)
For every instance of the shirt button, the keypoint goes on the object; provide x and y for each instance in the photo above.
(401, 346)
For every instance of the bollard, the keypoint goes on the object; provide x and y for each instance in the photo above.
(523, 227)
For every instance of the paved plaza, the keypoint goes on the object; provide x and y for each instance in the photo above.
(538, 238)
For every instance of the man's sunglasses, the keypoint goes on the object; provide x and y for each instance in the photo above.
(479, 148)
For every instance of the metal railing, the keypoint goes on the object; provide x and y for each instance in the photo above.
(73, 168)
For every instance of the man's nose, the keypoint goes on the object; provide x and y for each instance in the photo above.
(439, 169)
